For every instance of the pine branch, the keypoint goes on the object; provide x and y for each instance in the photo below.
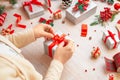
(13, 2)
(94, 23)
(2, 9)
(113, 17)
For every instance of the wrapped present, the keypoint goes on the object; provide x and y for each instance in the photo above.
(57, 14)
(33, 8)
(96, 52)
(51, 45)
(111, 40)
(78, 16)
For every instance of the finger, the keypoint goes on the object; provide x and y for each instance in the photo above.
(70, 43)
(61, 44)
(48, 35)
(48, 28)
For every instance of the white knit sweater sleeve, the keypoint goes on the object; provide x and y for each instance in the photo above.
(54, 71)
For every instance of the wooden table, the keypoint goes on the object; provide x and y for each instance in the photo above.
(81, 65)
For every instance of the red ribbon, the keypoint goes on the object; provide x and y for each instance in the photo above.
(18, 20)
(56, 40)
(29, 3)
(112, 36)
(96, 51)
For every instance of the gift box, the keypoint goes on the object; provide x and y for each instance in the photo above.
(36, 11)
(111, 40)
(77, 17)
(51, 45)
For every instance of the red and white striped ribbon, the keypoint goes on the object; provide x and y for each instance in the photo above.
(2, 18)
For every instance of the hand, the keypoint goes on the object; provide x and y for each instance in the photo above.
(64, 53)
(43, 30)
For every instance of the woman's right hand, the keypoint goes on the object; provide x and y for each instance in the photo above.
(64, 53)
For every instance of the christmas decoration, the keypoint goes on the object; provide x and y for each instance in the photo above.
(2, 18)
(113, 65)
(2, 9)
(105, 16)
(66, 3)
(117, 6)
(49, 21)
(110, 39)
(18, 21)
(33, 8)
(7, 31)
(81, 5)
(13, 2)
(78, 16)
(51, 45)
(49, 9)
(84, 30)
(96, 52)
(57, 14)
(109, 2)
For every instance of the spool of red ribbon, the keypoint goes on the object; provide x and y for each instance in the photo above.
(113, 65)
(2, 18)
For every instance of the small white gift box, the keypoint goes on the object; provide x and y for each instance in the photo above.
(51, 45)
(37, 11)
(77, 17)
(111, 40)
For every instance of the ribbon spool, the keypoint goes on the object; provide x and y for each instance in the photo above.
(117, 61)
(2, 18)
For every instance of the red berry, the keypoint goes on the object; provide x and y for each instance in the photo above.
(117, 6)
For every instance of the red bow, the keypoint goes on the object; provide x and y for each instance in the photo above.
(29, 3)
(106, 15)
(56, 40)
(112, 36)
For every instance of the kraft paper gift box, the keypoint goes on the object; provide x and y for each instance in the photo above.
(37, 11)
(54, 43)
(77, 17)
(110, 39)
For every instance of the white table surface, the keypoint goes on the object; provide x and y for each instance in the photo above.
(75, 68)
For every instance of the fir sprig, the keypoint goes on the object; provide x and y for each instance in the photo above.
(2, 9)
(13, 2)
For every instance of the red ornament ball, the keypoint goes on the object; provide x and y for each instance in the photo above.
(117, 6)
